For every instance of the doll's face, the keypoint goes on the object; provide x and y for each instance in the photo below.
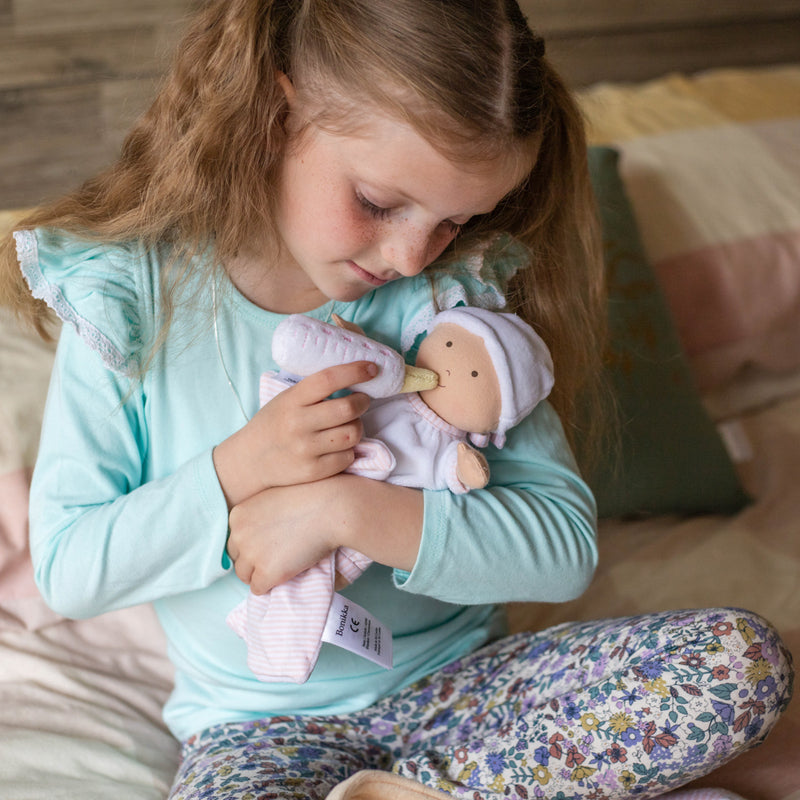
(468, 394)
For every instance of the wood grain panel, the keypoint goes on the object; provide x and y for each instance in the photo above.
(65, 58)
(648, 54)
(567, 17)
(121, 103)
(51, 139)
(73, 77)
(59, 16)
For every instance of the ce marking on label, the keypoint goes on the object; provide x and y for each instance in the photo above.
(354, 625)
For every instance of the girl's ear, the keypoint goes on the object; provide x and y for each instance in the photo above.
(288, 88)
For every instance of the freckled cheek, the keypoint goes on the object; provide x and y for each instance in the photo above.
(438, 243)
(342, 225)
(358, 228)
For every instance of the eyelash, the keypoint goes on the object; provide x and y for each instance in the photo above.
(379, 212)
(376, 211)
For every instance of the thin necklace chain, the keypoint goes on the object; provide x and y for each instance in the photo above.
(221, 357)
(331, 306)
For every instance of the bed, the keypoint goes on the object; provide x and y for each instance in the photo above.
(697, 175)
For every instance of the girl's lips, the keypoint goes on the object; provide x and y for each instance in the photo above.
(366, 276)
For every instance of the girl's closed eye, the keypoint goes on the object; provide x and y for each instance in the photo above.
(379, 212)
(383, 212)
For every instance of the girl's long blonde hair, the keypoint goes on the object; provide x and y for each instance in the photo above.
(198, 172)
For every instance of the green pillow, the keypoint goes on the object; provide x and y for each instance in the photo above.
(671, 458)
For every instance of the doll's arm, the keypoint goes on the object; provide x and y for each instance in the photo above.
(472, 468)
(460, 468)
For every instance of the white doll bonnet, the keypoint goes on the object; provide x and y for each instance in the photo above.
(521, 360)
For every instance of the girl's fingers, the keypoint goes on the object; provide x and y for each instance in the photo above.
(303, 425)
(244, 572)
(333, 463)
(335, 440)
(337, 413)
(317, 387)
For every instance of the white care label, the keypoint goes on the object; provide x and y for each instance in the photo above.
(355, 629)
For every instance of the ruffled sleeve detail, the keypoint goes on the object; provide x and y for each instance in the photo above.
(92, 287)
(480, 280)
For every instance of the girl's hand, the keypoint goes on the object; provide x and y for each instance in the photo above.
(299, 436)
(278, 534)
(281, 532)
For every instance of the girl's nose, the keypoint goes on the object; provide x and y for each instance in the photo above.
(409, 249)
(407, 254)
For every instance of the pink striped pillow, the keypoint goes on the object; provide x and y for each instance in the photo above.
(712, 168)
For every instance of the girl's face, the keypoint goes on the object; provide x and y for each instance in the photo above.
(356, 211)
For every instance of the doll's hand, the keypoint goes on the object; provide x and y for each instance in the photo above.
(301, 435)
(472, 468)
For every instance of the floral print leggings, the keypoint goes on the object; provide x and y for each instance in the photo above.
(606, 709)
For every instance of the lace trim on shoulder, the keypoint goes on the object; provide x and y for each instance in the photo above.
(42, 289)
(482, 293)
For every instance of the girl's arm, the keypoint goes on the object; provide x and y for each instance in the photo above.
(309, 521)
(529, 536)
(105, 535)
(101, 537)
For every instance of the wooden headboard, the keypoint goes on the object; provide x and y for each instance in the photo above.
(633, 40)
(73, 76)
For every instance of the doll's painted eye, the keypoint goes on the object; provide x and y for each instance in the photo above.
(449, 344)
(474, 373)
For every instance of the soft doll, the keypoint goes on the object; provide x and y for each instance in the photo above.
(492, 368)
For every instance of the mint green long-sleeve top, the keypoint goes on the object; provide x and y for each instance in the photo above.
(126, 507)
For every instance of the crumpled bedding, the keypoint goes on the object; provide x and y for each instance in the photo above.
(80, 709)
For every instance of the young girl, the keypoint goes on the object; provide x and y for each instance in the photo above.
(368, 158)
